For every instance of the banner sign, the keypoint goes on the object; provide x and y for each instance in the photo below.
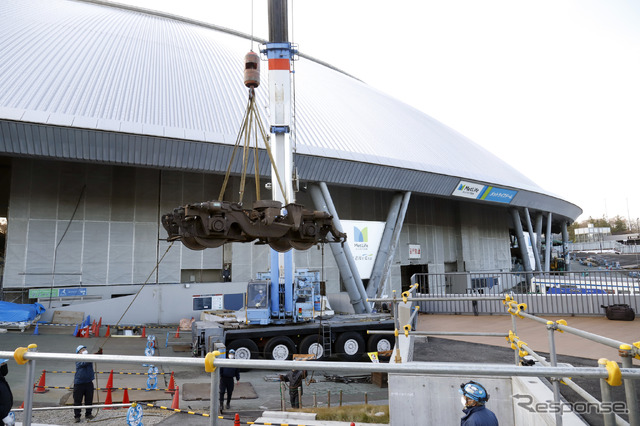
(37, 293)
(363, 238)
(484, 192)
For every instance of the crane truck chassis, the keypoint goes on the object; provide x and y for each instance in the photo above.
(285, 318)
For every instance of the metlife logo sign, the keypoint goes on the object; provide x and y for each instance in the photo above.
(484, 192)
(468, 190)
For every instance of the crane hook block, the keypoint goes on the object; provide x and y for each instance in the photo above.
(252, 70)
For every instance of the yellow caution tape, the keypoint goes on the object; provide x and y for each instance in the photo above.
(209, 366)
(18, 355)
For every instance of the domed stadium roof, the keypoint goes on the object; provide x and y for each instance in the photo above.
(96, 82)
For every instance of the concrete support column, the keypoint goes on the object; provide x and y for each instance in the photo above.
(385, 244)
(338, 253)
(534, 244)
(549, 245)
(517, 224)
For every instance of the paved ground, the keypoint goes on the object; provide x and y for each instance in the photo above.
(573, 350)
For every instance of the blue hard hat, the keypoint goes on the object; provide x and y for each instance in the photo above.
(232, 351)
(3, 360)
(79, 348)
(475, 391)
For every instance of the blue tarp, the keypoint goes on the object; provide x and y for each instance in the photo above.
(15, 312)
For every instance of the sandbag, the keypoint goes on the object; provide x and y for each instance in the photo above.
(619, 312)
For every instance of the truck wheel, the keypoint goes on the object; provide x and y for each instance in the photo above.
(245, 348)
(350, 346)
(279, 348)
(312, 345)
(379, 343)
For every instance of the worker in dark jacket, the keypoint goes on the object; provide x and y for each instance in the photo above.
(295, 379)
(83, 385)
(474, 398)
(6, 397)
(226, 380)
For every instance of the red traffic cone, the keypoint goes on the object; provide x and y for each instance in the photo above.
(144, 332)
(100, 323)
(85, 332)
(96, 330)
(107, 400)
(125, 397)
(175, 404)
(236, 420)
(178, 332)
(40, 388)
(109, 382)
(172, 385)
(108, 333)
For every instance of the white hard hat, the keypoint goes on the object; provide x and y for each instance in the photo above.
(79, 348)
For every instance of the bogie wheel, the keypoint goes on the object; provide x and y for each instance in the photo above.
(245, 348)
(379, 343)
(280, 348)
(350, 346)
(312, 345)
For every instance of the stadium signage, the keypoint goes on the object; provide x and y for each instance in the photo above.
(478, 191)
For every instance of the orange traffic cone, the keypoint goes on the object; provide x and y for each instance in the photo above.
(178, 332)
(100, 323)
(236, 420)
(85, 332)
(109, 382)
(144, 332)
(172, 385)
(41, 384)
(96, 330)
(108, 333)
(125, 397)
(175, 404)
(107, 400)
(21, 405)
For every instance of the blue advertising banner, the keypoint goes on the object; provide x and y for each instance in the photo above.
(484, 192)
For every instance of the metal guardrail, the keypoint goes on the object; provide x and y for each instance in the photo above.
(29, 357)
(545, 293)
(626, 351)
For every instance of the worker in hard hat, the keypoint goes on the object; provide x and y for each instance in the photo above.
(226, 380)
(83, 385)
(474, 397)
(6, 397)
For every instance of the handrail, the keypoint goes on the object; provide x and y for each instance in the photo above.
(360, 367)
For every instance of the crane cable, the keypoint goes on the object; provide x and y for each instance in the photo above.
(251, 116)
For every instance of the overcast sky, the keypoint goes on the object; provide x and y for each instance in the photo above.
(550, 86)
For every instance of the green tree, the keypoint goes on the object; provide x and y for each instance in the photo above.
(618, 225)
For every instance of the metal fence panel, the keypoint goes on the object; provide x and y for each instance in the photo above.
(545, 293)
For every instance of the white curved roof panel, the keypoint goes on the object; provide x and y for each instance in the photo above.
(102, 68)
